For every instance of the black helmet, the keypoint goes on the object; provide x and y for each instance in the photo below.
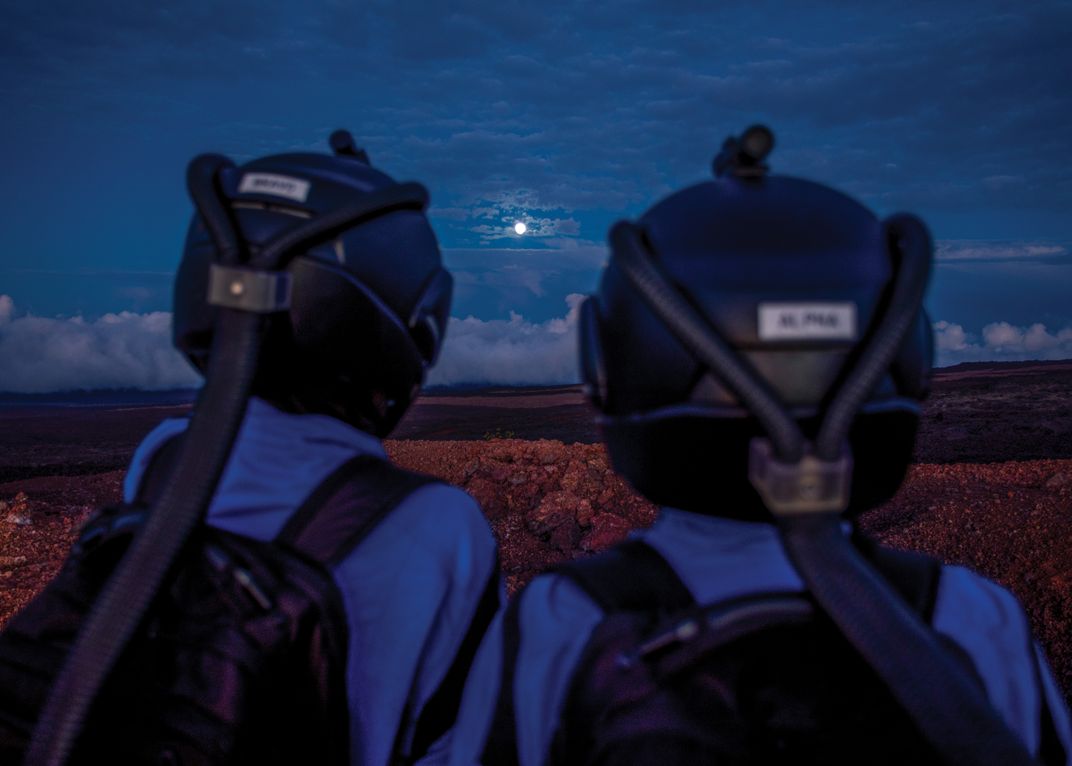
(368, 303)
(793, 277)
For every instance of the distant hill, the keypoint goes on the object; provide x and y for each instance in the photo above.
(114, 397)
(971, 366)
(132, 397)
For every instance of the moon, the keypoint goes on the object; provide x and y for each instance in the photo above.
(520, 228)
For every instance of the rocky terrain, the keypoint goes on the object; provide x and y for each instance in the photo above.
(993, 489)
(547, 501)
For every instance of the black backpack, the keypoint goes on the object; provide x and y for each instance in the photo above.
(763, 679)
(241, 658)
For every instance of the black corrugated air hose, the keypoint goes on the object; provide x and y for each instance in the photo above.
(126, 596)
(301, 238)
(909, 240)
(948, 708)
(699, 338)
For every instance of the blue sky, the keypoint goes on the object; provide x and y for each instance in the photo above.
(567, 115)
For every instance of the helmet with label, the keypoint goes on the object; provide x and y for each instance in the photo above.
(792, 277)
(368, 302)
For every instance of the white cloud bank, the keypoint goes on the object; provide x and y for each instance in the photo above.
(129, 350)
(510, 352)
(1000, 341)
(125, 350)
(953, 251)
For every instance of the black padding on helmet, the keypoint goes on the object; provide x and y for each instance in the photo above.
(696, 458)
(369, 306)
(729, 246)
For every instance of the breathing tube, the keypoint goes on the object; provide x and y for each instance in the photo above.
(246, 292)
(805, 487)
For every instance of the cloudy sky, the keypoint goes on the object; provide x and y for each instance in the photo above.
(566, 115)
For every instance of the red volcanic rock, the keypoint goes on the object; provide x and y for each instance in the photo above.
(556, 509)
(38, 523)
(1009, 521)
(547, 501)
(1059, 480)
(607, 530)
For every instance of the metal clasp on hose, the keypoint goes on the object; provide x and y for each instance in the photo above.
(254, 290)
(811, 485)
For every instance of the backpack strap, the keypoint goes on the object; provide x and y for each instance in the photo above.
(632, 576)
(441, 710)
(347, 506)
(340, 513)
(500, 747)
(915, 576)
(332, 522)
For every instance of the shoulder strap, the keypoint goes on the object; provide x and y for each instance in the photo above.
(347, 506)
(914, 576)
(630, 577)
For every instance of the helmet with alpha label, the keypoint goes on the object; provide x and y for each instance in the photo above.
(758, 349)
(368, 299)
(791, 278)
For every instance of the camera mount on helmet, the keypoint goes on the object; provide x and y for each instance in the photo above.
(743, 156)
(343, 144)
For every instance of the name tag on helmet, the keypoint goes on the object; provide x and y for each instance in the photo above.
(807, 321)
(276, 185)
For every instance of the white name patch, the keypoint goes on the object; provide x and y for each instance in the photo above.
(276, 185)
(807, 321)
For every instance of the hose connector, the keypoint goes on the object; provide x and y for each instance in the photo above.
(246, 289)
(811, 485)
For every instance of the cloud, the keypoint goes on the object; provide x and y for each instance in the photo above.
(951, 252)
(510, 351)
(124, 350)
(533, 281)
(536, 227)
(1000, 341)
(131, 350)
